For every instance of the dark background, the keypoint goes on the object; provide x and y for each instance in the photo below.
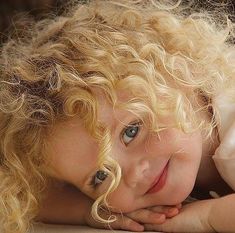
(10, 10)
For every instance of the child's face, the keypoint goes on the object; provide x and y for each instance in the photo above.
(74, 158)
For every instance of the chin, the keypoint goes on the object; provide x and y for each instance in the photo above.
(180, 196)
(175, 195)
(178, 199)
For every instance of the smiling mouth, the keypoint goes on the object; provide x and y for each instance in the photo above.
(159, 182)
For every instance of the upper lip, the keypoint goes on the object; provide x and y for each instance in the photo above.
(156, 179)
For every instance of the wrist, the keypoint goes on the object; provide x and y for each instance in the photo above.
(212, 208)
(221, 216)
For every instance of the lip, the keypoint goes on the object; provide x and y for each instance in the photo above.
(159, 182)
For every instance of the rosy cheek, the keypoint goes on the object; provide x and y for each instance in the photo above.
(122, 201)
(155, 146)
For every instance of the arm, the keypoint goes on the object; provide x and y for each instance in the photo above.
(64, 205)
(222, 214)
(67, 205)
(211, 215)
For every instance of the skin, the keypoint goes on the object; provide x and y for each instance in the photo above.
(74, 152)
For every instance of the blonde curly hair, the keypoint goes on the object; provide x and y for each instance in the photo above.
(165, 58)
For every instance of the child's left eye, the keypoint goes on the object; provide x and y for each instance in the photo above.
(99, 177)
(130, 132)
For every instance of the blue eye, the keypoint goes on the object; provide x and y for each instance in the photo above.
(99, 177)
(130, 132)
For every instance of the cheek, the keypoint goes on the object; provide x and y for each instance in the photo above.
(182, 185)
(160, 146)
(173, 141)
(122, 201)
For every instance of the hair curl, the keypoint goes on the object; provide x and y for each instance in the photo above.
(164, 58)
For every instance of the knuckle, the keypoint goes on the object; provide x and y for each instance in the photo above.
(127, 221)
(135, 215)
(115, 225)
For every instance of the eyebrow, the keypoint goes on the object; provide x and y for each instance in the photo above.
(121, 123)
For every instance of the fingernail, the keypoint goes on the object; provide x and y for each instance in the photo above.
(172, 210)
(160, 218)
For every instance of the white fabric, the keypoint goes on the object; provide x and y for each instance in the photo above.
(224, 157)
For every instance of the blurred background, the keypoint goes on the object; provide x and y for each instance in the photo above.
(11, 10)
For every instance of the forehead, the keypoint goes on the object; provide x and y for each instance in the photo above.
(105, 111)
(108, 114)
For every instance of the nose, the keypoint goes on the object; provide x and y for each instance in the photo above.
(136, 173)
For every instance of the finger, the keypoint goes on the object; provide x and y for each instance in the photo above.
(172, 212)
(153, 227)
(147, 216)
(169, 211)
(125, 223)
(170, 225)
(121, 223)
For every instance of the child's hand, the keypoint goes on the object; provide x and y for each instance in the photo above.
(193, 217)
(134, 221)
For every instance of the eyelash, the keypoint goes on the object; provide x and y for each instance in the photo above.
(93, 179)
(131, 125)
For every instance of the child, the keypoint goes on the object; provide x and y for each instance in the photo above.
(127, 103)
